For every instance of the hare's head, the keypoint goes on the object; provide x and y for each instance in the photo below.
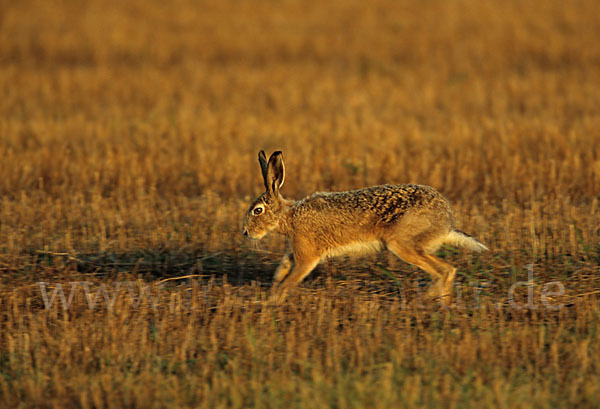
(266, 213)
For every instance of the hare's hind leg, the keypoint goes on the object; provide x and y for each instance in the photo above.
(444, 284)
(441, 271)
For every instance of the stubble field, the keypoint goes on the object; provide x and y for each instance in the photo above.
(128, 139)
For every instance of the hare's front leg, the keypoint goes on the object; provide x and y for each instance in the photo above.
(302, 266)
(284, 268)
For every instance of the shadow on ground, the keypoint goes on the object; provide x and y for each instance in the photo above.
(148, 264)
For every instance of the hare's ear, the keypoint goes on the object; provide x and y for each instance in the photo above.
(275, 173)
(262, 159)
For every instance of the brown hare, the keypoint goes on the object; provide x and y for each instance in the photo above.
(412, 221)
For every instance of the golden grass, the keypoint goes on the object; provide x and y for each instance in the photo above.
(217, 345)
(128, 137)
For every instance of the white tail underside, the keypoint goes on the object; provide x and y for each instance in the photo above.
(460, 239)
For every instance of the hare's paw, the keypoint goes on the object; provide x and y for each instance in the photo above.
(278, 295)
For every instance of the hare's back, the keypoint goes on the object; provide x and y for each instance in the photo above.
(385, 203)
(391, 202)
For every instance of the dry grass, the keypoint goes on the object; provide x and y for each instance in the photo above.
(128, 137)
(216, 345)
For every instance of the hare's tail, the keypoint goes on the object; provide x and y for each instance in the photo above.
(461, 239)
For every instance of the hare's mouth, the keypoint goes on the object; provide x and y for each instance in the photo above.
(253, 235)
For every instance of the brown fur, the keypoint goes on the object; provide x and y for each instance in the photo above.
(411, 221)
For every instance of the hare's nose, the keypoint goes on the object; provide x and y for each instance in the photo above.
(245, 232)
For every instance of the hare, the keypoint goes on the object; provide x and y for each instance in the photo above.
(411, 221)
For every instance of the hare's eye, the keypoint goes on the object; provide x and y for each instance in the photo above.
(257, 210)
